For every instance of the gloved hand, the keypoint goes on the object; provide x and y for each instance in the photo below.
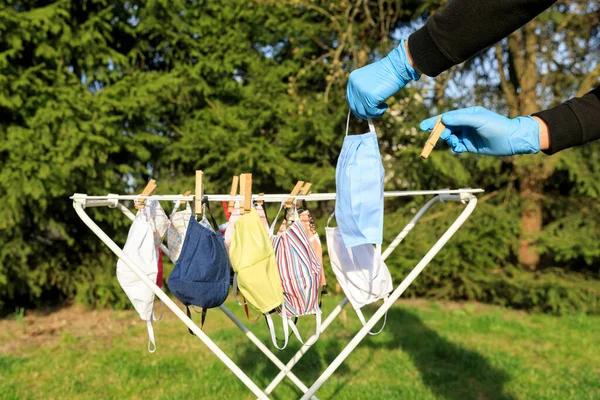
(369, 86)
(478, 130)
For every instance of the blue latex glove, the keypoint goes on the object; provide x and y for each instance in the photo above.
(481, 131)
(369, 86)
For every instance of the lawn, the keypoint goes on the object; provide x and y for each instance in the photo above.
(428, 350)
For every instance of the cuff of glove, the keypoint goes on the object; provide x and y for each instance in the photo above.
(563, 126)
(528, 140)
(426, 55)
(399, 60)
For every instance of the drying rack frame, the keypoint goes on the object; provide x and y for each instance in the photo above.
(464, 196)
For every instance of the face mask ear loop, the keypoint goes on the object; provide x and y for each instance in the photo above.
(272, 329)
(175, 208)
(330, 218)
(318, 327)
(294, 212)
(371, 125)
(151, 341)
(154, 317)
(272, 227)
(348, 122)
(378, 252)
(235, 291)
(295, 330)
(363, 321)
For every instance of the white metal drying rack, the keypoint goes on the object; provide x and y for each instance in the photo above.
(465, 196)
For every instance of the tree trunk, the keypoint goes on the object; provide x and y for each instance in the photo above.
(531, 193)
(530, 171)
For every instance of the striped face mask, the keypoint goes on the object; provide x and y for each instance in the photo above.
(313, 237)
(300, 271)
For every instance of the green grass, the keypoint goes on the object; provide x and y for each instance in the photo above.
(427, 351)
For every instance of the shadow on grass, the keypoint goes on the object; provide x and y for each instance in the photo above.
(449, 370)
(308, 369)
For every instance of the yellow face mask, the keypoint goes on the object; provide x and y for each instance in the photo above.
(253, 260)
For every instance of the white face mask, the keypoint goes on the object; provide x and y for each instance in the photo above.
(140, 247)
(360, 271)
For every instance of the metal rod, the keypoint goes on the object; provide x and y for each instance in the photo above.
(238, 323)
(82, 200)
(101, 201)
(261, 346)
(168, 302)
(294, 360)
(307, 345)
(389, 302)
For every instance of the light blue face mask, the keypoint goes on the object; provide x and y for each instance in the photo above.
(359, 187)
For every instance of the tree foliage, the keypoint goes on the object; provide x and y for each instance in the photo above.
(97, 96)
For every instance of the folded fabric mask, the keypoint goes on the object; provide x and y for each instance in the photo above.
(160, 224)
(315, 241)
(300, 272)
(360, 271)
(140, 247)
(359, 189)
(201, 274)
(253, 260)
(235, 216)
(177, 229)
(158, 219)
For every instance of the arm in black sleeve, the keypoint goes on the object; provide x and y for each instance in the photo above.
(574, 122)
(465, 27)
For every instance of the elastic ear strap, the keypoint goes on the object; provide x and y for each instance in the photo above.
(151, 341)
(348, 122)
(175, 207)
(371, 125)
(235, 290)
(362, 320)
(318, 328)
(330, 218)
(206, 206)
(154, 318)
(272, 329)
(295, 214)
(272, 227)
(382, 326)
(369, 121)
(361, 317)
(295, 330)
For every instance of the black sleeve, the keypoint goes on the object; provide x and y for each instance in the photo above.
(574, 122)
(465, 27)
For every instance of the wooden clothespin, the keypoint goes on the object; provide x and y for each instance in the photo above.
(303, 192)
(295, 191)
(148, 190)
(433, 138)
(246, 192)
(261, 202)
(233, 192)
(187, 193)
(199, 192)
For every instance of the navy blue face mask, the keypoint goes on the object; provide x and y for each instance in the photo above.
(201, 273)
(359, 189)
